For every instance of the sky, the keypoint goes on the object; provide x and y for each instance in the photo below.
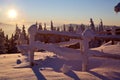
(60, 11)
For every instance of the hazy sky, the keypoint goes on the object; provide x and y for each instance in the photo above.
(60, 11)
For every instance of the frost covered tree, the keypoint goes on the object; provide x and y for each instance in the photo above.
(40, 27)
(64, 29)
(71, 28)
(2, 42)
(101, 26)
(52, 28)
(13, 41)
(45, 26)
(58, 29)
(24, 35)
(7, 46)
(12, 45)
(17, 32)
(24, 32)
(92, 26)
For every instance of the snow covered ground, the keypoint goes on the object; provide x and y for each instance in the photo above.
(48, 67)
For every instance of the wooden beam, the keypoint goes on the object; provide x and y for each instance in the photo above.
(58, 33)
(108, 37)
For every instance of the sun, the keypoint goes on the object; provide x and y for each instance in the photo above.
(12, 13)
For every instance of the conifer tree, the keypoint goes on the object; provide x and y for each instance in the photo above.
(64, 29)
(52, 28)
(24, 32)
(7, 43)
(71, 28)
(92, 26)
(16, 35)
(101, 26)
(12, 44)
(58, 29)
(2, 42)
(40, 27)
(45, 26)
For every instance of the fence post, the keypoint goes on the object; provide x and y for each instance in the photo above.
(113, 33)
(32, 32)
(31, 57)
(87, 35)
(84, 52)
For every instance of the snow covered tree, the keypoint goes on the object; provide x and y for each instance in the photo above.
(101, 26)
(45, 26)
(12, 45)
(52, 28)
(24, 32)
(64, 29)
(58, 29)
(71, 28)
(17, 32)
(2, 42)
(40, 27)
(92, 26)
(7, 46)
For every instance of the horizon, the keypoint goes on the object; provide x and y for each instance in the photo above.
(60, 12)
(24, 12)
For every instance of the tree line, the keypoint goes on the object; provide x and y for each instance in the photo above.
(9, 45)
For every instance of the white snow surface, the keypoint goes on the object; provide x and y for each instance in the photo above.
(68, 43)
(48, 66)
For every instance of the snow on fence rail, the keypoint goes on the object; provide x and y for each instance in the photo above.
(68, 53)
(63, 34)
(108, 37)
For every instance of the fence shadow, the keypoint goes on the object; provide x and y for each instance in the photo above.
(56, 63)
(99, 75)
(37, 73)
(72, 75)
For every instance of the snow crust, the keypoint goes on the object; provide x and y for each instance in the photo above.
(99, 68)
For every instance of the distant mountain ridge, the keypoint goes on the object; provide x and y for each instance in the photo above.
(5, 24)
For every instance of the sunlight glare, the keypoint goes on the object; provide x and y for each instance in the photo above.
(12, 13)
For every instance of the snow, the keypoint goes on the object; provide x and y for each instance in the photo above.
(108, 48)
(68, 43)
(65, 68)
(32, 29)
(67, 53)
(65, 63)
(48, 67)
(88, 34)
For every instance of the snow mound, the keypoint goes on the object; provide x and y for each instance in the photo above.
(23, 65)
(65, 68)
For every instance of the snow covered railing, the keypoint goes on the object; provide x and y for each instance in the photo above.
(66, 53)
(59, 48)
(84, 39)
(62, 33)
(108, 37)
(68, 43)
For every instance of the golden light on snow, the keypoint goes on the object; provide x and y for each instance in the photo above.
(12, 13)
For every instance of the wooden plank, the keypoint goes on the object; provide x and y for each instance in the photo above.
(108, 37)
(58, 33)
(97, 53)
(106, 55)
